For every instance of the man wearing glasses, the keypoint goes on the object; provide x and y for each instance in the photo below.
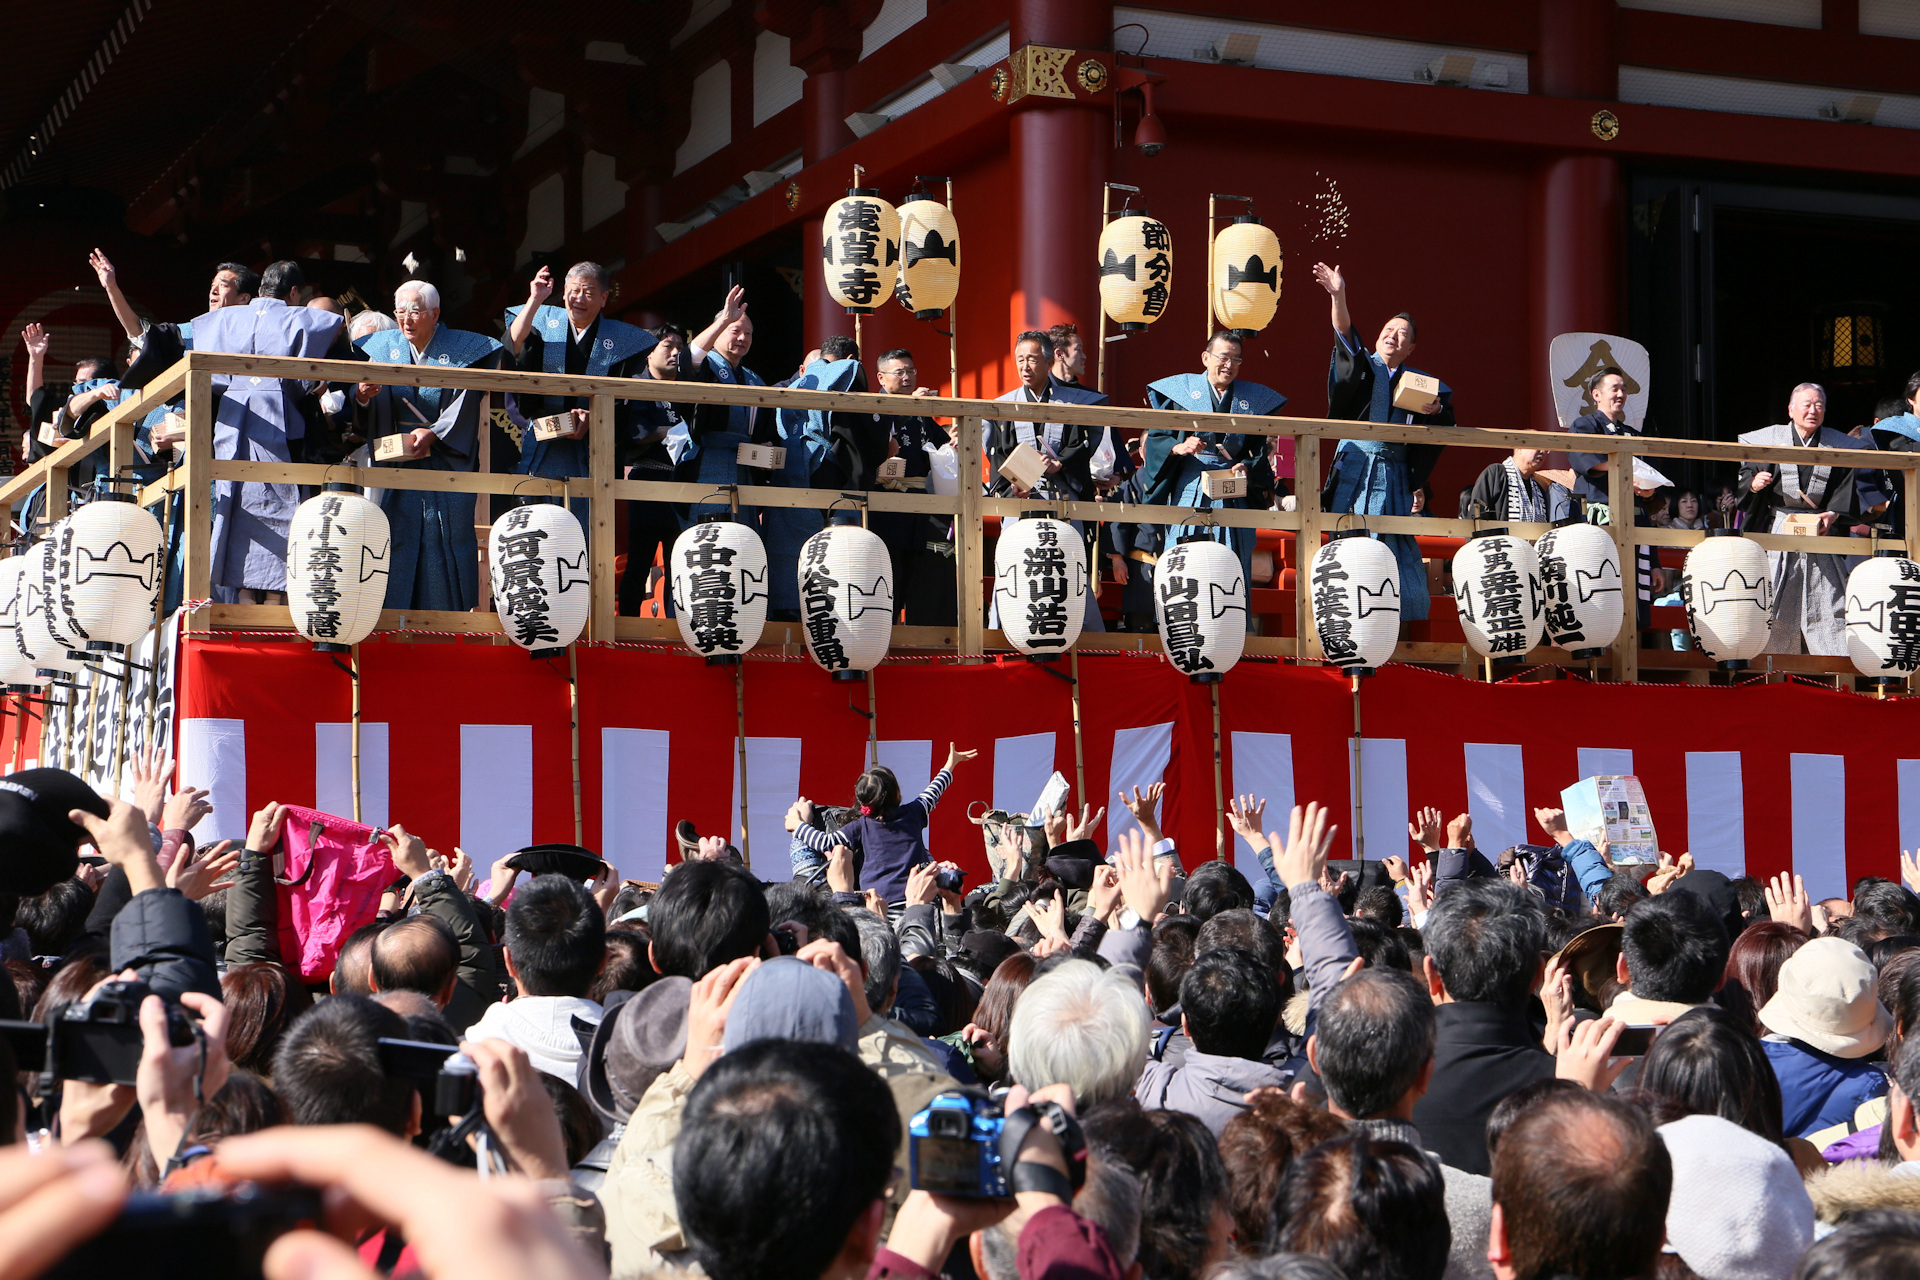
(1174, 463)
(921, 546)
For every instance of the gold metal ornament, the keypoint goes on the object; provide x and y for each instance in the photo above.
(1606, 125)
(1092, 75)
(792, 196)
(999, 84)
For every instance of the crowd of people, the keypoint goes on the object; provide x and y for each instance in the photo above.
(277, 312)
(1527, 1063)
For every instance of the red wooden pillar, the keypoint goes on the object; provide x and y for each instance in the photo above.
(1060, 153)
(1578, 206)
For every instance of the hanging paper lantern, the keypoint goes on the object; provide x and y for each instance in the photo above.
(338, 560)
(1246, 276)
(1580, 576)
(719, 574)
(929, 257)
(1496, 584)
(1356, 601)
(846, 599)
(40, 636)
(1040, 583)
(537, 563)
(1728, 588)
(1883, 617)
(1136, 269)
(108, 562)
(17, 671)
(1200, 602)
(860, 245)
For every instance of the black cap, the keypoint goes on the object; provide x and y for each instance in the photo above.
(41, 844)
(568, 860)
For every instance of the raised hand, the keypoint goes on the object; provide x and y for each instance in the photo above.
(1329, 278)
(1910, 870)
(35, 336)
(1554, 823)
(540, 288)
(1788, 903)
(264, 832)
(840, 873)
(1556, 995)
(518, 1110)
(1247, 815)
(735, 305)
(1303, 858)
(1141, 805)
(102, 269)
(921, 889)
(123, 840)
(184, 809)
(1050, 917)
(1585, 1054)
(1103, 899)
(1419, 891)
(1082, 828)
(955, 756)
(708, 1005)
(1146, 882)
(1424, 830)
(150, 770)
(1460, 832)
(202, 873)
(408, 851)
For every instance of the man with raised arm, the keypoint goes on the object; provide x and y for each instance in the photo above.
(1378, 477)
(436, 552)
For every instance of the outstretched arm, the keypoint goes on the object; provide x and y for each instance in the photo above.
(539, 289)
(36, 339)
(122, 309)
(736, 306)
(1330, 279)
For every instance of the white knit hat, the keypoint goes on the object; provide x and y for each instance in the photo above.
(1738, 1210)
(1826, 998)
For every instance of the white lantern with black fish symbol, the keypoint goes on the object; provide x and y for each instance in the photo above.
(859, 250)
(537, 564)
(1040, 584)
(1496, 586)
(718, 569)
(929, 257)
(18, 672)
(1728, 588)
(1356, 601)
(846, 599)
(1246, 276)
(1200, 603)
(338, 561)
(1580, 576)
(1136, 269)
(107, 559)
(1883, 617)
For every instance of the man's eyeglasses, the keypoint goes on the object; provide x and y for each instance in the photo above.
(415, 310)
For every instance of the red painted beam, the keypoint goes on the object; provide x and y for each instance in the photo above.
(1761, 51)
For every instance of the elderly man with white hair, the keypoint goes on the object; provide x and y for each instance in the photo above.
(435, 551)
(1809, 588)
(1081, 1026)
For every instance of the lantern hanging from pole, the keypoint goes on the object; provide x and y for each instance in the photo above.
(859, 248)
(1246, 276)
(846, 599)
(338, 563)
(1848, 343)
(1883, 617)
(1356, 601)
(1728, 588)
(718, 569)
(1040, 583)
(929, 257)
(1200, 602)
(537, 563)
(108, 563)
(39, 636)
(1136, 269)
(17, 671)
(1496, 584)
(1580, 576)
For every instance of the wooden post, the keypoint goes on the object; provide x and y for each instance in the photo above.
(1306, 504)
(354, 658)
(198, 485)
(573, 710)
(482, 502)
(120, 454)
(873, 727)
(605, 591)
(953, 326)
(1359, 750)
(969, 543)
(1626, 646)
(56, 494)
(740, 744)
(1079, 745)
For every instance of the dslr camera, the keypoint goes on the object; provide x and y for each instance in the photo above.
(97, 1039)
(954, 1145)
(447, 1079)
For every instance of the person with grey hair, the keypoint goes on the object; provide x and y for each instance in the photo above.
(1081, 1026)
(1109, 1199)
(1809, 588)
(576, 338)
(435, 551)
(369, 321)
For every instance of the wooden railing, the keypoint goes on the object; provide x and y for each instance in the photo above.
(1313, 439)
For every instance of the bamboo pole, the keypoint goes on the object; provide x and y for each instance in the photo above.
(953, 322)
(1359, 775)
(573, 709)
(354, 673)
(873, 727)
(740, 744)
(1079, 747)
(1219, 791)
(1212, 217)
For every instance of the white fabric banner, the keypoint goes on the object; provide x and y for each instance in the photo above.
(773, 784)
(1021, 767)
(333, 772)
(213, 756)
(1820, 823)
(1716, 814)
(1381, 798)
(635, 827)
(1598, 761)
(1140, 758)
(1909, 776)
(1263, 767)
(1496, 795)
(496, 790)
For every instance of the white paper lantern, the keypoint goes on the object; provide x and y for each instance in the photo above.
(1356, 600)
(40, 636)
(339, 554)
(1883, 617)
(846, 599)
(17, 670)
(1136, 269)
(537, 563)
(1200, 602)
(719, 573)
(1246, 276)
(1580, 576)
(859, 250)
(60, 621)
(929, 257)
(1040, 584)
(108, 562)
(1728, 588)
(1496, 584)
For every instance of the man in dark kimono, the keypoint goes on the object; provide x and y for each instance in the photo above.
(1607, 390)
(652, 527)
(1378, 477)
(576, 339)
(436, 552)
(920, 546)
(1809, 588)
(258, 420)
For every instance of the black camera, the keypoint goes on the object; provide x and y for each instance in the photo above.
(204, 1234)
(449, 1083)
(97, 1039)
(949, 879)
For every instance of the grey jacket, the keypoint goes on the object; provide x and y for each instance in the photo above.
(1469, 1203)
(1207, 1086)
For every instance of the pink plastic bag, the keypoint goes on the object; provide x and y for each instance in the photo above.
(335, 870)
